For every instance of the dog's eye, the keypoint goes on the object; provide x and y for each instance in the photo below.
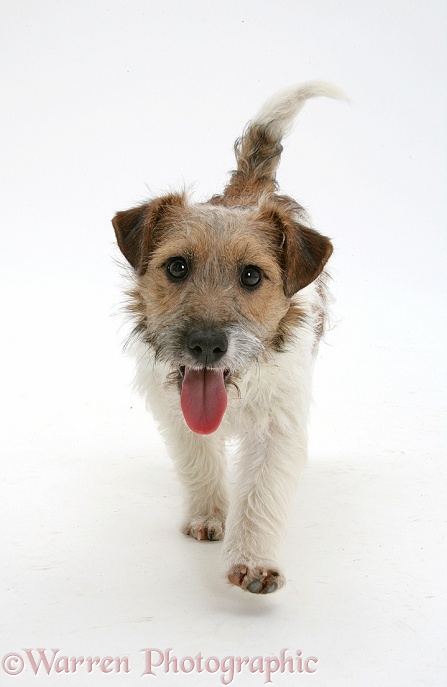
(251, 276)
(177, 268)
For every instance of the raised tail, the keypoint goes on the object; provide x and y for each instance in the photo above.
(259, 149)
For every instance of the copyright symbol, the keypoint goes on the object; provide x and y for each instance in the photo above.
(13, 664)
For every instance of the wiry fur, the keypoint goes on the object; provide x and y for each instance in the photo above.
(272, 333)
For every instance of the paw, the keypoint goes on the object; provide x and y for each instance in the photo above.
(211, 528)
(257, 580)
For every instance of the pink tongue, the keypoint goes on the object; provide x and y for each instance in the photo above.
(203, 399)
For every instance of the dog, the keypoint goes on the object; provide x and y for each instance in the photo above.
(229, 300)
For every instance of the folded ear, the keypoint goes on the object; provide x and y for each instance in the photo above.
(303, 252)
(137, 229)
(129, 231)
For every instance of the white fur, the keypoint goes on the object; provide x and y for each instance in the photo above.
(280, 110)
(269, 417)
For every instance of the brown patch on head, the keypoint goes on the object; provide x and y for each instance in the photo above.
(217, 243)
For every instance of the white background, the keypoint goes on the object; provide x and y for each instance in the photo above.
(105, 103)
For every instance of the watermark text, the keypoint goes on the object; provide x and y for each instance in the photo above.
(154, 663)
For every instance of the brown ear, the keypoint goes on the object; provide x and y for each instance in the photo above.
(303, 252)
(129, 231)
(136, 229)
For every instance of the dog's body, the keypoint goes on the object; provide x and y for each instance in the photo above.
(230, 301)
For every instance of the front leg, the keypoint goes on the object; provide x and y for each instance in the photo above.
(269, 466)
(201, 467)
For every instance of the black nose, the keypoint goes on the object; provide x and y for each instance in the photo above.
(207, 346)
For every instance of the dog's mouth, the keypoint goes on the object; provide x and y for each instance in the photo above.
(203, 397)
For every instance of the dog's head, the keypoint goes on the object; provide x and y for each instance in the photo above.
(214, 287)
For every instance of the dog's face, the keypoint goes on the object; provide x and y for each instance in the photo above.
(214, 287)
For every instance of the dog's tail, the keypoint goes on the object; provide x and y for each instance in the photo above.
(259, 149)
